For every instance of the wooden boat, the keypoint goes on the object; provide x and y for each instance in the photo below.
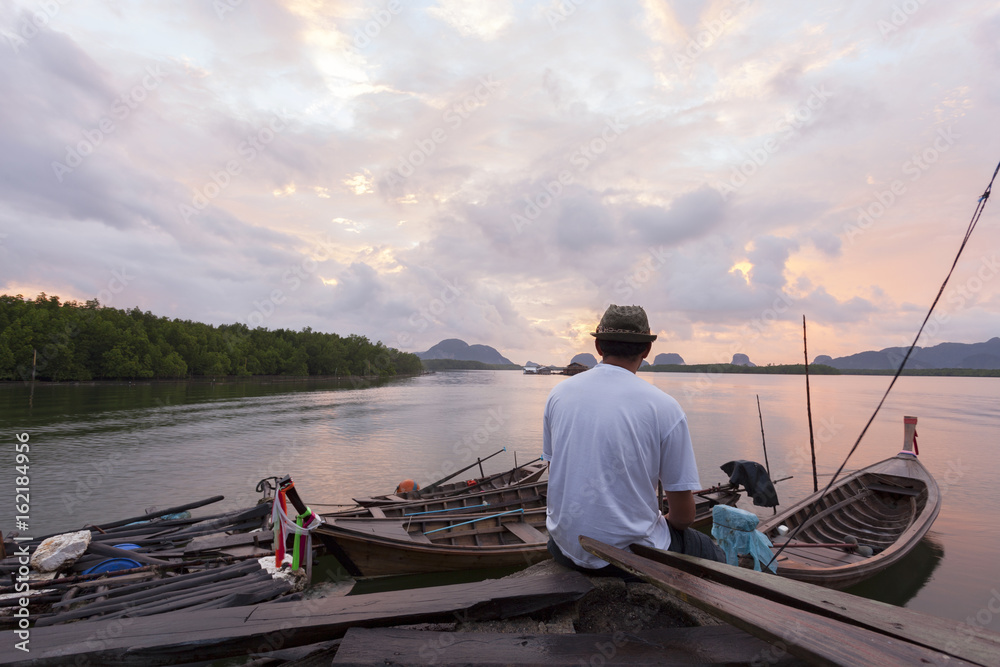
(432, 543)
(457, 533)
(706, 499)
(526, 496)
(523, 474)
(888, 506)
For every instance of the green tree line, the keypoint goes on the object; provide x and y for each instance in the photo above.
(75, 341)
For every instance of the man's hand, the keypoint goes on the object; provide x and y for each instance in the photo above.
(680, 509)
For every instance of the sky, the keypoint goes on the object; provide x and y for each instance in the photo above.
(502, 171)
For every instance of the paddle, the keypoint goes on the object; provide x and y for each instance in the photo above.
(459, 472)
(493, 477)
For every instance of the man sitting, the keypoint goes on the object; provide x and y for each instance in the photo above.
(609, 437)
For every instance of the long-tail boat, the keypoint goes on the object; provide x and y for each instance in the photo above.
(500, 528)
(865, 523)
(436, 543)
(523, 474)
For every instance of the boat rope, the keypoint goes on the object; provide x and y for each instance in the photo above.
(450, 509)
(980, 205)
(465, 523)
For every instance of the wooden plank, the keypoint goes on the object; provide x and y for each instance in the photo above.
(897, 490)
(262, 539)
(809, 636)
(710, 645)
(971, 643)
(526, 532)
(190, 636)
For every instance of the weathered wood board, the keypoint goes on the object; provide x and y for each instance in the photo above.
(188, 636)
(811, 637)
(963, 641)
(711, 645)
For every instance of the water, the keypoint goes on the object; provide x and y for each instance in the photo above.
(100, 453)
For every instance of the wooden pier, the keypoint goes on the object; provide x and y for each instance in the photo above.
(198, 593)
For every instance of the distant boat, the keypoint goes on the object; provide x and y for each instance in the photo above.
(887, 507)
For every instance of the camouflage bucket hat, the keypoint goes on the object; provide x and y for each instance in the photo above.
(624, 323)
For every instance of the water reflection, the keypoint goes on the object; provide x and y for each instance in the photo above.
(102, 452)
(900, 583)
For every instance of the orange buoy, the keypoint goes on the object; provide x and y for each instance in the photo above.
(407, 485)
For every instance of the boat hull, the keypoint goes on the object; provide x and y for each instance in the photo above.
(888, 506)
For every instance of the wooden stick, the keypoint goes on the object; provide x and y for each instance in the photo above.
(459, 472)
(812, 444)
(763, 442)
(471, 487)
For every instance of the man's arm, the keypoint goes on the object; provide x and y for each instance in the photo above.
(680, 506)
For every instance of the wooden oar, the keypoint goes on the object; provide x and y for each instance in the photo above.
(459, 472)
(486, 480)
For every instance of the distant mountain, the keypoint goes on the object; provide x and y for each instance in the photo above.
(586, 359)
(740, 359)
(453, 348)
(668, 359)
(946, 355)
(645, 364)
(532, 363)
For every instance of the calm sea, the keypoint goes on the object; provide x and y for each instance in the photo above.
(100, 453)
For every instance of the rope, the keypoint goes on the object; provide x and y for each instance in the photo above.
(980, 205)
(285, 525)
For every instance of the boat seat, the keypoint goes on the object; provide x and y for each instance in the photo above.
(526, 532)
(898, 490)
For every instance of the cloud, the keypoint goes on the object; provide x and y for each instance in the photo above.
(491, 111)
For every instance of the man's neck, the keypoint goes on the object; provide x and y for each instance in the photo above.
(631, 365)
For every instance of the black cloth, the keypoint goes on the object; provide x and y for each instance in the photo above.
(693, 542)
(754, 478)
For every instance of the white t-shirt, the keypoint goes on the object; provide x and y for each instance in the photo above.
(609, 437)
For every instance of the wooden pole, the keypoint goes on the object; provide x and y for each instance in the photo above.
(458, 472)
(812, 443)
(763, 442)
